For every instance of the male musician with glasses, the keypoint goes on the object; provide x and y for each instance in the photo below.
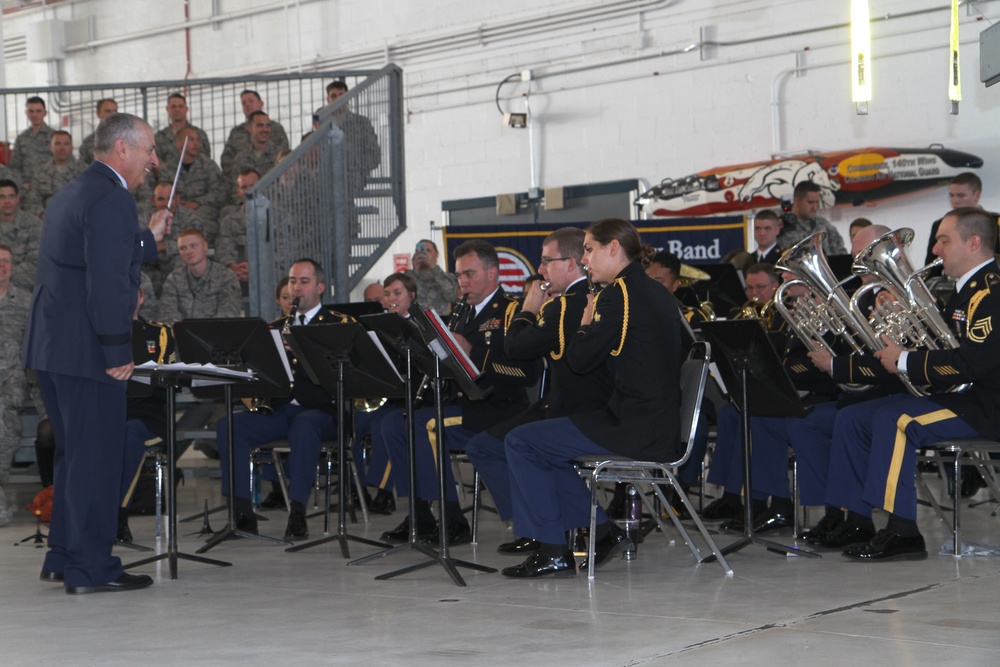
(548, 319)
(481, 334)
(873, 461)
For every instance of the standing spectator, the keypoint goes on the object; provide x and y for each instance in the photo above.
(239, 137)
(260, 154)
(31, 149)
(105, 107)
(166, 138)
(436, 288)
(231, 247)
(801, 221)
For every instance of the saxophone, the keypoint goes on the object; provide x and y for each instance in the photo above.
(263, 405)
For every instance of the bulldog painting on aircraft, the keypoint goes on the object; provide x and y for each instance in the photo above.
(846, 178)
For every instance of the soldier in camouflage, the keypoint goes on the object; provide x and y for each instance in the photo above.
(200, 288)
(31, 149)
(21, 232)
(259, 154)
(54, 174)
(200, 186)
(801, 221)
(13, 319)
(239, 139)
(436, 288)
(105, 107)
(183, 219)
(167, 147)
(231, 247)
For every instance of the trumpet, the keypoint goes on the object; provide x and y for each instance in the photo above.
(262, 405)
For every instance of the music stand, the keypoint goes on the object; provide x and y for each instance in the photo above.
(170, 380)
(348, 364)
(760, 386)
(247, 344)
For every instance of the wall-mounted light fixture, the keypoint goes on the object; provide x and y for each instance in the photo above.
(954, 73)
(861, 56)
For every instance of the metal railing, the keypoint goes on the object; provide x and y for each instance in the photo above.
(338, 198)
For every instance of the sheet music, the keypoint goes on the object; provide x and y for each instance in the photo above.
(142, 371)
(378, 344)
(279, 343)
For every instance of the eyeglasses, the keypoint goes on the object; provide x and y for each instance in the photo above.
(548, 260)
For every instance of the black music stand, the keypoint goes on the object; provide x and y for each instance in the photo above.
(449, 362)
(760, 386)
(246, 344)
(343, 360)
(171, 380)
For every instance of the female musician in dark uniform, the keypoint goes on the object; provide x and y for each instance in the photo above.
(634, 328)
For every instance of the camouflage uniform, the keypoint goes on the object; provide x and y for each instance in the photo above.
(795, 229)
(13, 320)
(169, 259)
(200, 182)
(86, 150)
(215, 294)
(231, 245)
(22, 236)
(166, 144)
(239, 142)
(31, 151)
(248, 157)
(49, 179)
(436, 289)
(150, 304)
(7, 174)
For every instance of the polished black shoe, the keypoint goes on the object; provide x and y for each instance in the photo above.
(124, 534)
(972, 481)
(538, 565)
(887, 545)
(721, 509)
(246, 524)
(383, 503)
(126, 582)
(52, 577)
(821, 530)
(458, 533)
(613, 543)
(297, 528)
(274, 500)
(521, 545)
(401, 533)
(677, 504)
(847, 534)
(616, 508)
(770, 520)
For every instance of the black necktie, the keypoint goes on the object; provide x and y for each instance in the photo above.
(302, 318)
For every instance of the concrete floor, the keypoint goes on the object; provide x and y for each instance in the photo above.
(309, 608)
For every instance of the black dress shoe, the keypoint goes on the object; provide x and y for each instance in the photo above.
(401, 533)
(521, 545)
(616, 508)
(246, 524)
(53, 577)
(126, 582)
(538, 565)
(273, 501)
(847, 534)
(297, 528)
(382, 503)
(613, 543)
(721, 509)
(887, 545)
(821, 530)
(770, 520)
(458, 533)
(677, 504)
(124, 534)
(972, 481)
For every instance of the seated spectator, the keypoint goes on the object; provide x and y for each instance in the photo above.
(231, 245)
(105, 107)
(200, 288)
(183, 219)
(20, 231)
(167, 147)
(54, 174)
(239, 137)
(13, 319)
(259, 153)
(200, 186)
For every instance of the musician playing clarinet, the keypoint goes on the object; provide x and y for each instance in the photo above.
(633, 328)
(873, 462)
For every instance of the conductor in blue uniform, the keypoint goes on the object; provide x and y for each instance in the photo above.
(79, 340)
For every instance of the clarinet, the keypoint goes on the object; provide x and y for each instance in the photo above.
(456, 316)
(263, 405)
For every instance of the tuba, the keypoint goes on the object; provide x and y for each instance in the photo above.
(909, 317)
(263, 405)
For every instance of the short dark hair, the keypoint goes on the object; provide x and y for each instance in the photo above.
(177, 96)
(974, 221)
(767, 214)
(6, 247)
(100, 102)
(246, 171)
(317, 268)
(804, 188)
(569, 240)
(859, 223)
(430, 243)
(61, 132)
(338, 84)
(251, 92)
(669, 261)
(764, 267)
(968, 178)
(408, 282)
(35, 99)
(483, 249)
(7, 183)
(258, 112)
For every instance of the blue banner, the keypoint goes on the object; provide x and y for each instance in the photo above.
(694, 240)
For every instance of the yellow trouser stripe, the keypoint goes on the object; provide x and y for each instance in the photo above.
(384, 482)
(431, 424)
(899, 448)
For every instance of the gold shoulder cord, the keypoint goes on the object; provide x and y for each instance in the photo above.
(621, 283)
(508, 315)
(556, 356)
(163, 345)
(973, 306)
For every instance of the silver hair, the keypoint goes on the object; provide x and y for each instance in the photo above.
(117, 126)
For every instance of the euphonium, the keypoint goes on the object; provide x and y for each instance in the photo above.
(263, 405)
(758, 310)
(909, 317)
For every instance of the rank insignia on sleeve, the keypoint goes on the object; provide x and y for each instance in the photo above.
(980, 329)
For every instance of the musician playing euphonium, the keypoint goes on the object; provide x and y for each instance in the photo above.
(873, 461)
(305, 419)
(632, 328)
